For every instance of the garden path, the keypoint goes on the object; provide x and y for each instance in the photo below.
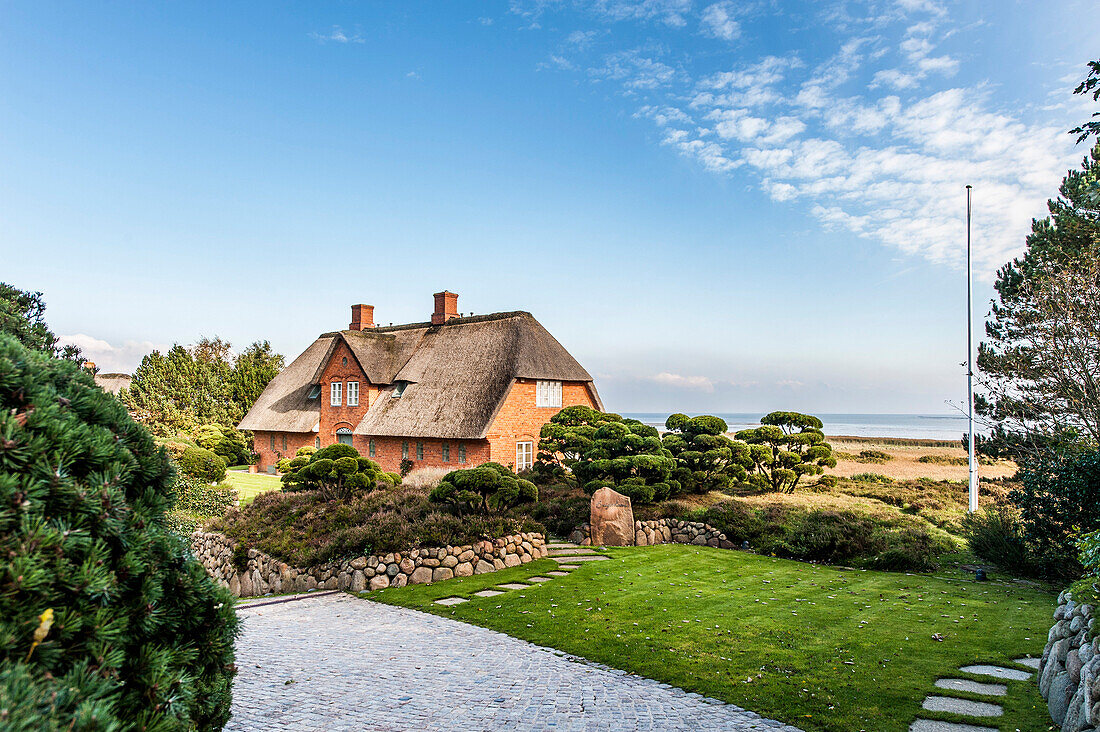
(336, 662)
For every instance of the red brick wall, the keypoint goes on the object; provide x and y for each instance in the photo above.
(333, 418)
(388, 452)
(261, 443)
(519, 420)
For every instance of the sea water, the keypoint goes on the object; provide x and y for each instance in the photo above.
(922, 426)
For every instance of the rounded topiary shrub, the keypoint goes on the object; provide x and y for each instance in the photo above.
(106, 621)
(202, 464)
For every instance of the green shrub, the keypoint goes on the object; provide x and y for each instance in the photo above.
(304, 529)
(943, 460)
(872, 478)
(395, 478)
(785, 447)
(141, 637)
(201, 464)
(561, 515)
(225, 442)
(706, 460)
(828, 481)
(336, 472)
(996, 536)
(874, 456)
(407, 466)
(830, 536)
(489, 489)
(1059, 501)
(1089, 544)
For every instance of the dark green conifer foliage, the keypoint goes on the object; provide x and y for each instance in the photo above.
(141, 637)
(707, 460)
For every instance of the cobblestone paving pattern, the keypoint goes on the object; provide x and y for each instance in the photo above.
(342, 663)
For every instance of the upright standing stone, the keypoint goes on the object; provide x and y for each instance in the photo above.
(612, 519)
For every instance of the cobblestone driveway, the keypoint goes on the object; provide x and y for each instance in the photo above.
(340, 663)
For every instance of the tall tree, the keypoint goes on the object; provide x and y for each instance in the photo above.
(22, 314)
(1016, 371)
(254, 368)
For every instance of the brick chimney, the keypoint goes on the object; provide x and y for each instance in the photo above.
(362, 317)
(446, 307)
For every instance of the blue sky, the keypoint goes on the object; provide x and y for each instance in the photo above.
(731, 206)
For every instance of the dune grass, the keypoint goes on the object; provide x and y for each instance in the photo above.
(817, 647)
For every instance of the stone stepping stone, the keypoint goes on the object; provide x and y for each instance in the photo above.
(515, 586)
(557, 573)
(962, 706)
(592, 558)
(451, 601)
(488, 593)
(1031, 662)
(999, 672)
(567, 566)
(932, 725)
(539, 579)
(974, 687)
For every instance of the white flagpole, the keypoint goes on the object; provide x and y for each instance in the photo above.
(970, 365)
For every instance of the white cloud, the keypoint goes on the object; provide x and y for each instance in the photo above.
(337, 35)
(670, 12)
(702, 383)
(718, 21)
(109, 358)
(634, 70)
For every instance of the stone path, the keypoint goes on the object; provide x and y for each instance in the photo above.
(338, 662)
(561, 552)
(979, 710)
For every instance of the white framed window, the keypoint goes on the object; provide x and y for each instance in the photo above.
(334, 393)
(548, 394)
(353, 393)
(525, 455)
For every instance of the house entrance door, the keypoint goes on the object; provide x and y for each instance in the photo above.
(343, 436)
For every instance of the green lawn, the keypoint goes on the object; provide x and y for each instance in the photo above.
(250, 485)
(818, 647)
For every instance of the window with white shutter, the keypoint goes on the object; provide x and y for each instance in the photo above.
(548, 394)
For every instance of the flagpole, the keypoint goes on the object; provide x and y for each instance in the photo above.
(973, 484)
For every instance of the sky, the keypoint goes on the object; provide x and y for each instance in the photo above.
(715, 206)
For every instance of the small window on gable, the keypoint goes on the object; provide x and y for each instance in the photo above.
(548, 394)
(399, 388)
(314, 392)
(344, 362)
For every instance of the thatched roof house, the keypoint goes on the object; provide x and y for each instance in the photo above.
(112, 383)
(452, 390)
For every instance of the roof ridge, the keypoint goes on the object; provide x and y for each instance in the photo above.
(383, 329)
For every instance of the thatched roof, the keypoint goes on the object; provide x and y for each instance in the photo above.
(458, 375)
(112, 383)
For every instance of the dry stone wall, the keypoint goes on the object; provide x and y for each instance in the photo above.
(1069, 674)
(263, 573)
(665, 531)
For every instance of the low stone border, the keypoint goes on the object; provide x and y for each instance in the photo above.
(666, 531)
(1069, 672)
(265, 574)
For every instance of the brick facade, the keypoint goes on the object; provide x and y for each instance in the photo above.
(518, 420)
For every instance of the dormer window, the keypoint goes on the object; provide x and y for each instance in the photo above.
(548, 394)
(335, 390)
(399, 388)
(314, 392)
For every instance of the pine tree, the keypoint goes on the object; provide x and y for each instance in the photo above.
(106, 621)
(254, 368)
(22, 315)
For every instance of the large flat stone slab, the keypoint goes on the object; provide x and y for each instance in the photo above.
(962, 706)
(593, 558)
(488, 593)
(1030, 662)
(999, 672)
(974, 687)
(567, 566)
(451, 601)
(557, 573)
(515, 586)
(932, 725)
(539, 579)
